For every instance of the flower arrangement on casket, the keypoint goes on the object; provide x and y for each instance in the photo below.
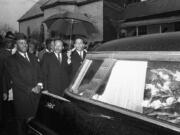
(162, 95)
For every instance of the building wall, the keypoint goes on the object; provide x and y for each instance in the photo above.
(111, 15)
(95, 11)
(33, 24)
(58, 9)
(55, 10)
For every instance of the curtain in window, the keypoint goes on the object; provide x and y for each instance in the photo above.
(125, 87)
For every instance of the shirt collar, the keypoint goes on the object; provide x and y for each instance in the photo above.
(57, 54)
(47, 50)
(22, 54)
(79, 52)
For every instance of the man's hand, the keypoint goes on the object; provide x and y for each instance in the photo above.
(5, 96)
(37, 89)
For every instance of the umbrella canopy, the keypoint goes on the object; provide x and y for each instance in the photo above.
(69, 24)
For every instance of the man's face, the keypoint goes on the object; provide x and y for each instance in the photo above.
(50, 46)
(22, 45)
(32, 48)
(58, 46)
(79, 45)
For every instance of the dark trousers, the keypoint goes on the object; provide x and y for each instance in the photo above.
(9, 125)
(21, 126)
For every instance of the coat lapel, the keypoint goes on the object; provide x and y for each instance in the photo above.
(20, 57)
(55, 59)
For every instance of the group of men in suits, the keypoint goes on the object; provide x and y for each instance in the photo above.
(59, 67)
(28, 76)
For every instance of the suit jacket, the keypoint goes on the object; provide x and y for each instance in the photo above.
(4, 54)
(76, 62)
(55, 77)
(25, 76)
(41, 54)
(5, 81)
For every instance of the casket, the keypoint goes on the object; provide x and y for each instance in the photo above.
(118, 92)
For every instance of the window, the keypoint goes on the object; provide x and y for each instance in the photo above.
(93, 77)
(148, 87)
(142, 30)
(177, 26)
(119, 83)
(162, 91)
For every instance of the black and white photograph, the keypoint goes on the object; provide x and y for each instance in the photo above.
(89, 67)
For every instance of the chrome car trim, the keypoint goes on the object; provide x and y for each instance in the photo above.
(36, 131)
(55, 96)
(136, 55)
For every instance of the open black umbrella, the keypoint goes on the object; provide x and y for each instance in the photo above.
(69, 24)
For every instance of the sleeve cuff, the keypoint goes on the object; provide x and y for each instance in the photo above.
(40, 84)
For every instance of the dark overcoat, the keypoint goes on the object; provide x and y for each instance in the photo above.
(5, 82)
(76, 62)
(55, 76)
(5, 78)
(25, 76)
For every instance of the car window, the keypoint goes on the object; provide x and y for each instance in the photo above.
(162, 91)
(125, 86)
(148, 87)
(92, 77)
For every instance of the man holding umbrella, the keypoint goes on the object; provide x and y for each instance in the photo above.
(76, 56)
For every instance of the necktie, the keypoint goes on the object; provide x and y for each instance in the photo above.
(81, 54)
(25, 56)
(59, 57)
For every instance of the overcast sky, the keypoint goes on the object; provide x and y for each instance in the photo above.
(12, 10)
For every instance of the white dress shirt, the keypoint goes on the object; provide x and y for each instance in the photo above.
(26, 57)
(60, 55)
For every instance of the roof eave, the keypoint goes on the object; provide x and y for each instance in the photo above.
(68, 3)
(31, 17)
(58, 3)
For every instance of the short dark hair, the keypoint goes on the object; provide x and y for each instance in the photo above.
(48, 41)
(10, 36)
(79, 38)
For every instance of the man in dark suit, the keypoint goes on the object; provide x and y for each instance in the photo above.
(76, 56)
(24, 71)
(4, 54)
(54, 66)
(49, 47)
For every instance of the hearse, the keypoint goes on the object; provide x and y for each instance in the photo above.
(128, 86)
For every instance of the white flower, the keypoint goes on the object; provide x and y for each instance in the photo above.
(96, 96)
(164, 104)
(170, 100)
(156, 104)
(166, 86)
(146, 103)
(177, 76)
(178, 100)
(164, 76)
(153, 89)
